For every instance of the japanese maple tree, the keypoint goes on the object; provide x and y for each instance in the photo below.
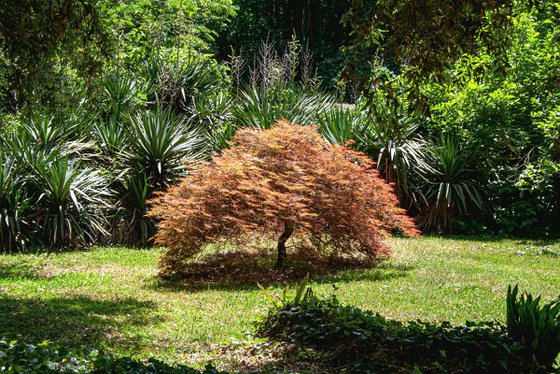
(286, 181)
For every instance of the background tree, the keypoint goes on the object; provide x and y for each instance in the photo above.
(429, 36)
(287, 180)
(43, 42)
(315, 23)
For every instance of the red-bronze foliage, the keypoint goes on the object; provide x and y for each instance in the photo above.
(285, 181)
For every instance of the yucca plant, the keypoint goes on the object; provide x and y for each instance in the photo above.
(120, 91)
(149, 152)
(110, 136)
(175, 84)
(41, 131)
(452, 190)
(212, 114)
(14, 206)
(159, 145)
(69, 201)
(340, 125)
(133, 227)
(260, 107)
(39, 136)
(391, 137)
(536, 326)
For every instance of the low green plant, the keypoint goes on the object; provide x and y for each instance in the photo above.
(359, 340)
(46, 357)
(213, 115)
(133, 227)
(302, 293)
(119, 94)
(174, 84)
(340, 125)
(110, 137)
(260, 107)
(159, 143)
(536, 326)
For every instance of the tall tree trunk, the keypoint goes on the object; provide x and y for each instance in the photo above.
(288, 230)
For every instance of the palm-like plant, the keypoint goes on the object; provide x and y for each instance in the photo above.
(110, 137)
(212, 114)
(133, 227)
(392, 137)
(41, 131)
(260, 107)
(340, 125)
(13, 206)
(452, 190)
(69, 201)
(175, 84)
(148, 152)
(159, 145)
(120, 92)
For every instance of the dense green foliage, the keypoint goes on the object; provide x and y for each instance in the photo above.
(317, 23)
(102, 103)
(537, 327)
(364, 341)
(45, 357)
(422, 40)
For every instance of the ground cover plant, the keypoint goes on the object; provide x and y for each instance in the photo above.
(353, 339)
(45, 357)
(111, 300)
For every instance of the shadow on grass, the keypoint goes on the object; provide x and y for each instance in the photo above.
(242, 270)
(19, 271)
(72, 322)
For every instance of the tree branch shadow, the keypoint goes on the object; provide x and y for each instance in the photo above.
(242, 270)
(72, 322)
(19, 271)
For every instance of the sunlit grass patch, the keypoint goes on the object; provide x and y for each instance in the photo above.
(112, 298)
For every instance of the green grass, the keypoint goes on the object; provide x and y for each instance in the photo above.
(111, 298)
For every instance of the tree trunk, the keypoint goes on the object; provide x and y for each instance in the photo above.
(288, 230)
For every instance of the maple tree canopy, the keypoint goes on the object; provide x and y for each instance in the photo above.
(285, 181)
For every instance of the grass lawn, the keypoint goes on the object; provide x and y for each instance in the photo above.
(111, 298)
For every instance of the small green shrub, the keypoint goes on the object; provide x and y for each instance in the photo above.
(451, 190)
(159, 142)
(45, 357)
(365, 341)
(537, 327)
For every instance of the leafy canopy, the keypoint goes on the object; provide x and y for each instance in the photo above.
(286, 176)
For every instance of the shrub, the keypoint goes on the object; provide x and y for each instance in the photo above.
(45, 357)
(145, 152)
(538, 328)
(49, 195)
(343, 335)
(287, 180)
(13, 206)
(259, 107)
(69, 201)
(451, 189)
(158, 144)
